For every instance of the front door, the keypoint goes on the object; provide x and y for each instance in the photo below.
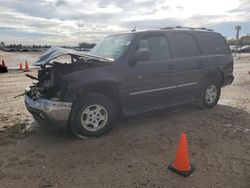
(151, 81)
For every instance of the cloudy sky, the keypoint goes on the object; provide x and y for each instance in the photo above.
(57, 22)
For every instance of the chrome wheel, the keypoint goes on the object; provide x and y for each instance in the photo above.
(94, 117)
(211, 94)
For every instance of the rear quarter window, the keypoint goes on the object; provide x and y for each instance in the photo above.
(214, 43)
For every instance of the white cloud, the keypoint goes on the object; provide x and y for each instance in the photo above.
(57, 22)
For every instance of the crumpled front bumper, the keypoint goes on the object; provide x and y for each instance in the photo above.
(48, 110)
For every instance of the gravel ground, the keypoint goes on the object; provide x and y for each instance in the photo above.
(13, 59)
(137, 152)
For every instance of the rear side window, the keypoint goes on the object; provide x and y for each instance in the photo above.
(183, 45)
(214, 42)
(157, 46)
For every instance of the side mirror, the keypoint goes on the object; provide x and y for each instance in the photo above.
(142, 55)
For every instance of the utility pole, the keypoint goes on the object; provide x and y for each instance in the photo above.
(237, 28)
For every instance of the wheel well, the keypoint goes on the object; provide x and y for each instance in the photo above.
(216, 75)
(108, 89)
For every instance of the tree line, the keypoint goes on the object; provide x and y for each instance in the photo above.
(86, 45)
(20, 46)
(244, 40)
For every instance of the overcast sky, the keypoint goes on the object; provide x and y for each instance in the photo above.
(57, 22)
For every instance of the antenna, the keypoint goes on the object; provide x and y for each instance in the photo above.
(133, 30)
(79, 39)
(80, 25)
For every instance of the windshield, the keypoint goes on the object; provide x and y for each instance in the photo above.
(112, 47)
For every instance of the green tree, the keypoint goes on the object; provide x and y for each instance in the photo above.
(245, 40)
(231, 42)
(86, 45)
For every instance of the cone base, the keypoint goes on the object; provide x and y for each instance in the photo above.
(3, 69)
(180, 172)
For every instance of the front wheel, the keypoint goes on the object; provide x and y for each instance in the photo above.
(210, 94)
(94, 115)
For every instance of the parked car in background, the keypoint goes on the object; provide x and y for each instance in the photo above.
(245, 49)
(24, 50)
(235, 48)
(128, 74)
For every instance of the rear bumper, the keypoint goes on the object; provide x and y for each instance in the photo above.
(50, 111)
(228, 80)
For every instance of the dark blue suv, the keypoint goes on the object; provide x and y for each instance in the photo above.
(128, 74)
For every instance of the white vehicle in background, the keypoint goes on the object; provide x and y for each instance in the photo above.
(245, 49)
(235, 49)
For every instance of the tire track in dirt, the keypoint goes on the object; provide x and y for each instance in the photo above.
(136, 153)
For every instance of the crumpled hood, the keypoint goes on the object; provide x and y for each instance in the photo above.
(55, 52)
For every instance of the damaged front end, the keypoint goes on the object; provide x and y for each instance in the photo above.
(45, 109)
(49, 99)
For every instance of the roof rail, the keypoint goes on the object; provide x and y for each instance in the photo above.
(167, 28)
(191, 28)
(203, 28)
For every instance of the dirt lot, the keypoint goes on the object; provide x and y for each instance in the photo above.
(136, 153)
(12, 59)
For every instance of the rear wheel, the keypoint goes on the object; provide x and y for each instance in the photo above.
(210, 94)
(94, 115)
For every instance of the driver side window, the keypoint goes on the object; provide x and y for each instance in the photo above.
(157, 46)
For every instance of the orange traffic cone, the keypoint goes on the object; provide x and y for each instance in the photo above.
(26, 67)
(3, 67)
(181, 164)
(20, 66)
(3, 64)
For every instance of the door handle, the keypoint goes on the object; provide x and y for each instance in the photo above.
(201, 64)
(170, 67)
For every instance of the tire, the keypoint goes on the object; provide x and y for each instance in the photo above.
(94, 115)
(210, 94)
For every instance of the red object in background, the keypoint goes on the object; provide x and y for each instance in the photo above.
(26, 67)
(3, 68)
(20, 67)
(3, 64)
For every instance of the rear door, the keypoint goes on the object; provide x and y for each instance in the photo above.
(219, 54)
(188, 63)
(151, 81)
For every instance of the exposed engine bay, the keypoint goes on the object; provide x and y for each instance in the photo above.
(52, 80)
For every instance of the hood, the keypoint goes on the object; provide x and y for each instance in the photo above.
(55, 52)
